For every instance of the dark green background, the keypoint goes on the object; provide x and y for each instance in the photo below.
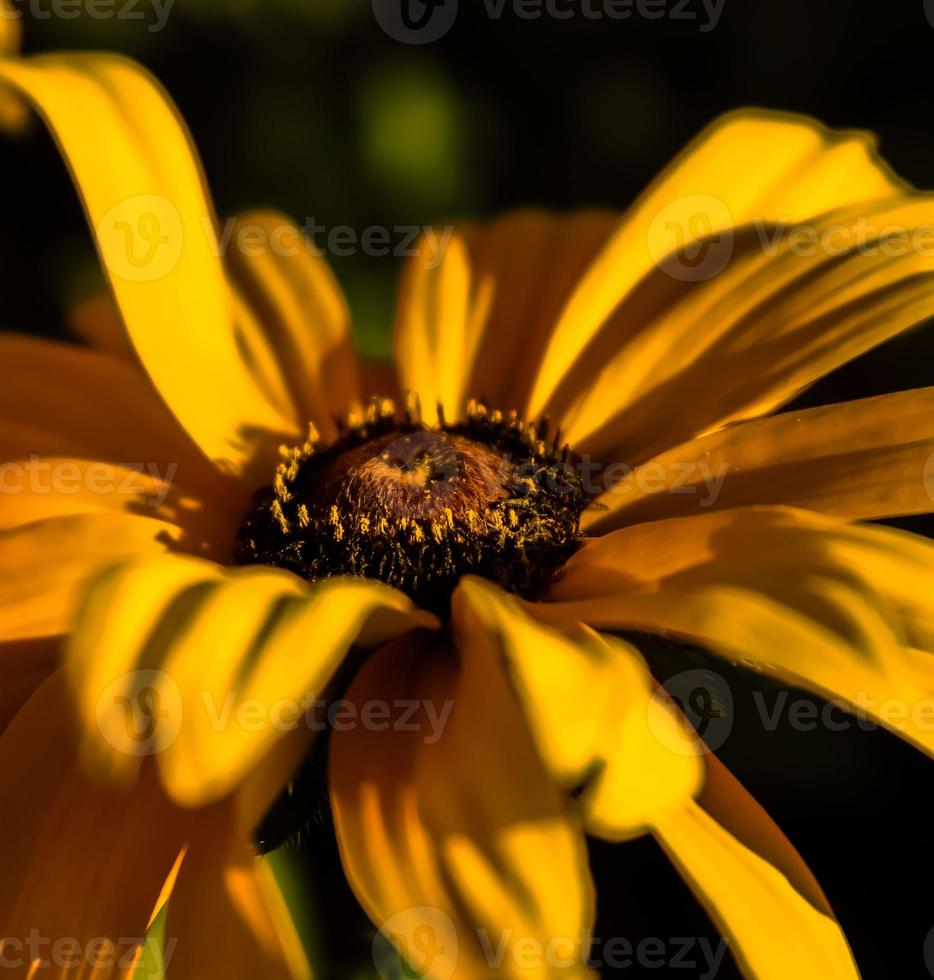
(310, 107)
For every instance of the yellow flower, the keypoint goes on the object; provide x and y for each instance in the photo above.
(659, 357)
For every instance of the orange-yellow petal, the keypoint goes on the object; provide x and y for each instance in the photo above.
(144, 193)
(843, 610)
(478, 303)
(720, 182)
(226, 915)
(869, 458)
(591, 706)
(82, 864)
(48, 563)
(304, 315)
(451, 833)
(273, 641)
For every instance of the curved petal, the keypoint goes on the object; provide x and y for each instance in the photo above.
(451, 834)
(82, 865)
(272, 644)
(638, 767)
(48, 563)
(144, 193)
(506, 283)
(868, 458)
(776, 318)
(721, 181)
(42, 488)
(304, 315)
(590, 702)
(840, 609)
(774, 931)
(226, 916)
(58, 400)
(438, 326)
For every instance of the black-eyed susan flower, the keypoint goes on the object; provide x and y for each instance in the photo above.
(441, 525)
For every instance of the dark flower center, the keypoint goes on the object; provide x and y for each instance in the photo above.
(417, 507)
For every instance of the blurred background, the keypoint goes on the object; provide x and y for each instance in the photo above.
(311, 107)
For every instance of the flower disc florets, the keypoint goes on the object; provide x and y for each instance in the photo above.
(418, 506)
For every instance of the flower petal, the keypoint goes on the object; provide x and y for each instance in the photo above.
(226, 915)
(59, 400)
(506, 283)
(142, 187)
(869, 458)
(452, 836)
(599, 726)
(304, 315)
(840, 609)
(273, 644)
(591, 706)
(438, 327)
(48, 563)
(775, 932)
(721, 181)
(774, 320)
(82, 865)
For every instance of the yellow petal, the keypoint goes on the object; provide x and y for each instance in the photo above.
(82, 865)
(42, 488)
(59, 400)
(144, 193)
(226, 916)
(869, 458)
(837, 608)
(47, 564)
(273, 643)
(304, 315)
(592, 709)
(437, 326)
(502, 287)
(721, 181)
(774, 931)
(451, 833)
(774, 320)
(598, 724)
